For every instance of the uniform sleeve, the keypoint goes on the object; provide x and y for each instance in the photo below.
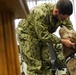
(42, 29)
(68, 24)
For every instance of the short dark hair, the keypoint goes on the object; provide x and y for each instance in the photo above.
(65, 7)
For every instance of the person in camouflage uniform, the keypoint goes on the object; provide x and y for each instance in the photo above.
(35, 32)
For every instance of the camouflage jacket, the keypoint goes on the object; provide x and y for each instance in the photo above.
(36, 32)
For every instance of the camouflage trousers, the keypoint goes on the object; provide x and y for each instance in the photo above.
(48, 72)
(71, 65)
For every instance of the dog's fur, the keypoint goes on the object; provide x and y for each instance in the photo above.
(65, 33)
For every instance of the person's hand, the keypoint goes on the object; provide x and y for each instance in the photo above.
(67, 42)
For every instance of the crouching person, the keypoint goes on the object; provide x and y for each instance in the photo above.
(36, 32)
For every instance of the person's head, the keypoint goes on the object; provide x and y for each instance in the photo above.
(64, 8)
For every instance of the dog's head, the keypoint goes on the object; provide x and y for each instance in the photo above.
(64, 32)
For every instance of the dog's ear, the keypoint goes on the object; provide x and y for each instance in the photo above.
(64, 32)
(63, 29)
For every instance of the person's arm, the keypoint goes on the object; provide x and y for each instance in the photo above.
(42, 29)
(68, 24)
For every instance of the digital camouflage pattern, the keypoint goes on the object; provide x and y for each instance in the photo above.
(60, 62)
(34, 34)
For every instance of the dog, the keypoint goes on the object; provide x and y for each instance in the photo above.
(65, 33)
